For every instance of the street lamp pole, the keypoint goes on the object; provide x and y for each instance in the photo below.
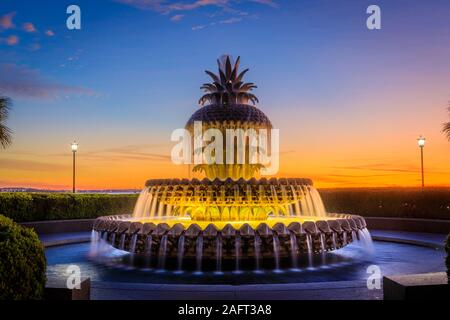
(421, 143)
(74, 150)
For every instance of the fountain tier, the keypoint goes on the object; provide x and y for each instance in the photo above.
(290, 236)
(229, 200)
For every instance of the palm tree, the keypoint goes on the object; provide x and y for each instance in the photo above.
(5, 132)
(446, 126)
(228, 88)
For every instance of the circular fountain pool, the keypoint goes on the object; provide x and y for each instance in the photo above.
(349, 263)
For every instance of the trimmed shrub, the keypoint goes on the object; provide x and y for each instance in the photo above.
(433, 203)
(22, 263)
(25, 207)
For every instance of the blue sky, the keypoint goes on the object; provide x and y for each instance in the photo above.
(132, 74)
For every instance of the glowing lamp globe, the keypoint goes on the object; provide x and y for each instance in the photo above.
(421, 141)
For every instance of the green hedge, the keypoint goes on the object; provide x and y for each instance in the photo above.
(404, 203)
(22, 263)
(23, 207)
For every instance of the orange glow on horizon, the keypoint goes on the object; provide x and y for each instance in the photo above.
(330, 167)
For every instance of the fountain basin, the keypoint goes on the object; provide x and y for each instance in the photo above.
(274, 237)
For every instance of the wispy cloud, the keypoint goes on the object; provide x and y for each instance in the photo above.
(138, 152)
(6, 21)
(30, 165)
(35, 47)
(177, 17)
(387, 168)
(231, 8)
(155, 5)
(20, 81)
(131, 152)
(384, 167)
(29, 27)
(196, 28)
(231, 20)
(170, 6)
(27, 183)
(11, 40)
(270, 3)
(49, 33)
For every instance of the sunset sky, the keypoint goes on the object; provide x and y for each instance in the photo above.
(349, 102)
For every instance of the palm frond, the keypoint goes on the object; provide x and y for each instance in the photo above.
(5, 136)
(446, 130)
(236, 68)
(5, 132)
(446, 126)
(213, 76)
(223, 78)
(228, 70)
(248, 87)
(208, 87)
(241, 75)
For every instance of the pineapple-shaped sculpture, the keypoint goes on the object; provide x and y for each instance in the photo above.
(225, 105)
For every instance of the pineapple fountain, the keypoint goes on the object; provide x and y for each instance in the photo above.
(229, 218)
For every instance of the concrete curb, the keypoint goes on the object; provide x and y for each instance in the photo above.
(62, 242)
(409, 241)
(408, 224)
(60, 226)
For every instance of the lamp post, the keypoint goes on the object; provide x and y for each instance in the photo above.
(421, 143)
(74, 146)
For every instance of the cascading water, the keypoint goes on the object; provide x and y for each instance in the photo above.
(365, 240)
(317, 202)
(133, 243)
(276, 251)
(113, 238)
(199, 253)
(323, 251)
(257, 253)
(162, 253)
(94, 243)
(294, 251)
(333, 239)
(148, 251)
(322, 242)
(156, 202)
(237, 253)
(122, 242)
(180, 254)
(309, 246)
(219, 253)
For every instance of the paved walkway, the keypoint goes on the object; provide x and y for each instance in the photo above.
(342, 290)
